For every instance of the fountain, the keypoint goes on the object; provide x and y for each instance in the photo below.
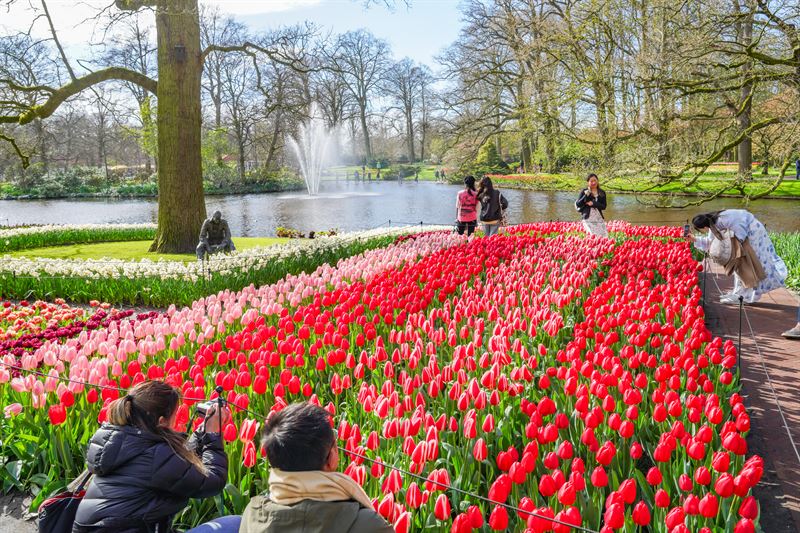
(310, 146)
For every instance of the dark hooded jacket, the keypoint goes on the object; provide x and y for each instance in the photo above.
(139, 483)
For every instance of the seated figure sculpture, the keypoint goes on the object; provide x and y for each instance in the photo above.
(215, 236)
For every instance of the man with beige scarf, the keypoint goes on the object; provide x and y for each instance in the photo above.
(306, 493)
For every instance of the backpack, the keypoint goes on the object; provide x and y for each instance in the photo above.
(57, 513)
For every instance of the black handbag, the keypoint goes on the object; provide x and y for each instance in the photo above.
(57, 513)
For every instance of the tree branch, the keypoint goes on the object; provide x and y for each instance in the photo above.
(133, 5)
(58, 96)
(58, 43)
(26, 161)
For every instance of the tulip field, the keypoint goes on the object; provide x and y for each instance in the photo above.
(566, 376)
(161, 283)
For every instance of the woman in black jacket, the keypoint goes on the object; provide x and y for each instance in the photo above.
(144, 472)
(590, 204)
(492, 205)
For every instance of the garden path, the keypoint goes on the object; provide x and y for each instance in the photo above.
(767, 361)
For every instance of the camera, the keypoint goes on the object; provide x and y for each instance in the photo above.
(201, 409)
(686, 230)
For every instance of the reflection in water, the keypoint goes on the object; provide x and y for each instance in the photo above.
(352, 206)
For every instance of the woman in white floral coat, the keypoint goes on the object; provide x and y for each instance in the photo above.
(744, 226)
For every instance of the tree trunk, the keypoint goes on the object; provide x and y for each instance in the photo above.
(365, 131)
(41, 138)
(410, 135)
(745, 149)
(181, 205)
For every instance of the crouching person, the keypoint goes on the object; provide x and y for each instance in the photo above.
(306, 493)
(144, 472)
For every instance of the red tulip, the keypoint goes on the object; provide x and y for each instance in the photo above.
(475, 516)
(745, 525)
(479, 451)
(641, 514)
(547, 487)
(498, 520)
(501, 488)
(654, 476)
(57, 414)
(615, 516)
(724, 485)
(702, 476)
(749, 508)
(249, 455)
(661, 499)
(403, 523)
(441, 509)
(566, 494)
(675, 516)
(721, 461)
(709, 506)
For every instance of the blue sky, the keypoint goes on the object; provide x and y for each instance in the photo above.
(420, 31)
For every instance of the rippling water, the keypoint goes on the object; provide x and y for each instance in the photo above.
(353, 206)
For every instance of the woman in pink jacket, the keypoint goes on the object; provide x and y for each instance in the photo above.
(467, 207)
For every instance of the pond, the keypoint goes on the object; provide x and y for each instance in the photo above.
(350, 206)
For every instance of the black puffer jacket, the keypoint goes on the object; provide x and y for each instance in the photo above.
(139, 483)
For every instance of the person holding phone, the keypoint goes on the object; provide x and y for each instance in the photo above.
(144, 472)
(590, 204)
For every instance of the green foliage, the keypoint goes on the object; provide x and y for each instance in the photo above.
(215, 143)
(288, 233)
(488, 161)
(788, 247)
(66, 236)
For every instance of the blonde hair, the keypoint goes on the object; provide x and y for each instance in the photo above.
(144, 406)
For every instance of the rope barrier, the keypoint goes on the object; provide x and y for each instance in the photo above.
(743, 312)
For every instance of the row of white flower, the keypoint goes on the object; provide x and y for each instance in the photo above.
(225, 265)
(62, 228)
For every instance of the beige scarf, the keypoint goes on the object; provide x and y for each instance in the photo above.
(288, 488)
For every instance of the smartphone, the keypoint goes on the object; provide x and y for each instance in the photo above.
(686, 230)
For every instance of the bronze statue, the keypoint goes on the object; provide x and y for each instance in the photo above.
(215, 236)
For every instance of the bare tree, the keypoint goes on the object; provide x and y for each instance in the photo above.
(360, 59)
(405, 83)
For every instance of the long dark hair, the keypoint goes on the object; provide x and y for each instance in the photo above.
(486, 188)
(469, 181)
(144, 406)
(705, 220)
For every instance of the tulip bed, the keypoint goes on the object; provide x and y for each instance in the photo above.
(161, 283)
(571, 377)
(24, 238)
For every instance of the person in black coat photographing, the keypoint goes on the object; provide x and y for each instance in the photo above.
(144, 472)
(590, 204)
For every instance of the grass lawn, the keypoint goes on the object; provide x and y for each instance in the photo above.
(710, 181)
(426, 172)
(131, 250)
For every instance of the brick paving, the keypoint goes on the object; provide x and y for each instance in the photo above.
(778, 363)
